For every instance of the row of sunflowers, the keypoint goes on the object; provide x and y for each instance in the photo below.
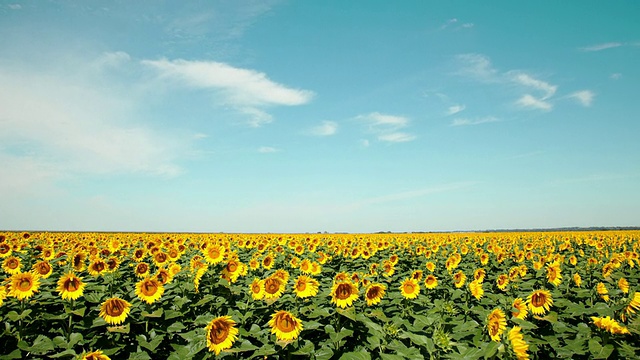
(325, 296)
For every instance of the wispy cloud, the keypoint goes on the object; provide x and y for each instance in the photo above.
(246, 89)
(387, 126)
(452, 23)
(584, 97)
(478, 121)
(327, 128)
(454, 109)
(267, 150)
(476, 66)
(396, 137)
(615, 76)
(15, 6)
(200, 136)
(530, 102)
(600, 47)
(529, 81)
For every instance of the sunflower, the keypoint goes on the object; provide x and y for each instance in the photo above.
(231, 271)
(149, 289)
(343, 294)
(519, 309)
(95, 355)
(577, 279)
(410, 288)
(602, 291)
(142, 269)
(78, 261)
(316, 268)
(97, 267)
(539, 302)
(633, 307)
(459, 279)
(42, 268)
(607, 323)
(374, 293)
(139, 254)
(70, 286)
(479, 275)
(5, 250)
(221, 333)
(430, 282)
(305, 266)
(268, 262)
(518, 344)
(273, 288)
(23, 285)
(285, 325)
(623, 284)
(3, 294)
(305, 286)
(496, 324)
(476, 289)
(554, 275)
(164, 276)
(257, 289)
(214, 253)
(11, 265)
(174, 270)
(502, 281)
(417, 274)
(431, 266)
(115, 310)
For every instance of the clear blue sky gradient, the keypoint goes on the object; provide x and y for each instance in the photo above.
(305, 116)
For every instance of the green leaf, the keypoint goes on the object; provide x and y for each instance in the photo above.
(307, 349)
(139, 355)
(265, 351)
(323, 353)
(206, 299)
(68, 352)
(175, 327)
(171, 314)
(41, 345)
(391, 357)
(598, 351)
(93, 297)
(491, 349)
(319, 312)
(244, 346)
(336, 337)
(74, 338)
(348, 313)
(15, 354)
(14, 316)
(419, 340)
(356, 355)
(155, 314)
(150, 345)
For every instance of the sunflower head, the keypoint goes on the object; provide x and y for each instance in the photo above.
(305, 286)
(285, 326)
(149, 289)
(343, 294)
(496, 324)
(221, 332)
(374, 293)
(430, 282)
(70, 286)
(257, 289)
(115, 310)
(11, 265)
(95, 355)
(539, 302)
(410, 288)
(43, 269)
(23, 285)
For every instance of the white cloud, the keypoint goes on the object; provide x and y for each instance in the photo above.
(476, 66)
(15, 6)
(528, 101)
(327, 128)
(200, 136)
(455, 109)
(584, 97)
(267, 150)
(241, 86)
(615, 76)
(529, 81)
(364, 142)
(76, 127)
(468, 25)
(245, 89)
(396, 137)
(465, 121)
(387, 126)
(112, 59)
(600, 47)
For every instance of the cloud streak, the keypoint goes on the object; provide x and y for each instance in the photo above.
(467, 122)
(327, 128)
(387, 127)
(247, 90)
(600, 47)
(584, 97)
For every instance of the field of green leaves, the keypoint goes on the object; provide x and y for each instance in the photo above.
(322, 296)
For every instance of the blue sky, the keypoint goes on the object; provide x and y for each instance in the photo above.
(305, 116)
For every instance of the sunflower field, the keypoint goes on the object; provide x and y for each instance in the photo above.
(323, 296)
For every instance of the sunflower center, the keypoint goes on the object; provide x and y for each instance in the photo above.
(12, 264)
(115, 308)
(149, 288)
(272, 286)
(301, 285)
(142, 268)
(219, 333)
(72, 284)
(409, 288)
(267, 261)
(285, 324)
(232, 267)
(373, 293)
(4, 248)
(538, 300)
(343, 291)
(99, 266)
(255, 288)
(24, 284)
